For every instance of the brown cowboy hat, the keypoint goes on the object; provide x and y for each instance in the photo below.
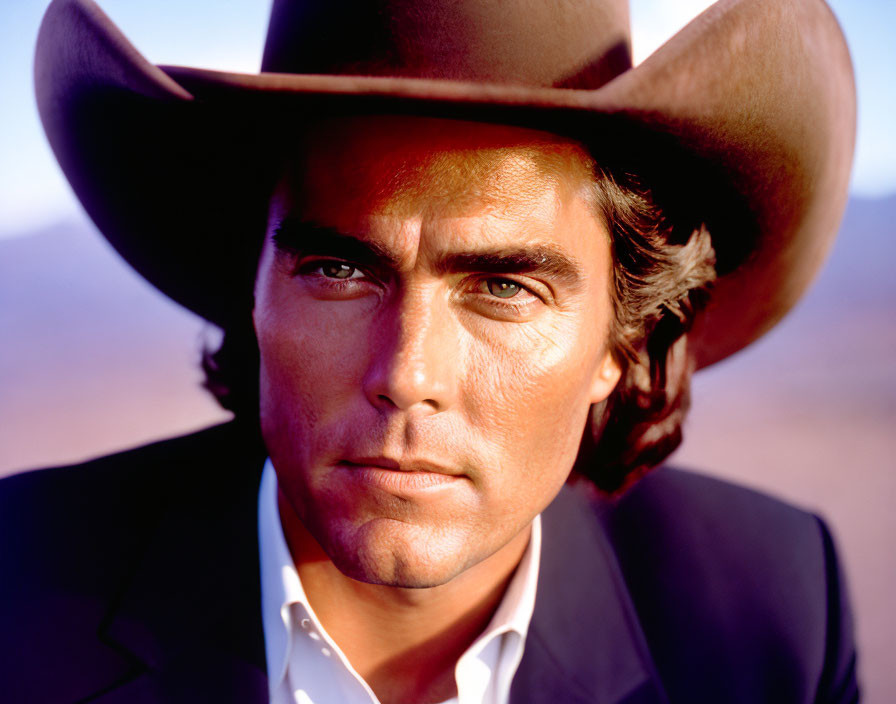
(747, 114)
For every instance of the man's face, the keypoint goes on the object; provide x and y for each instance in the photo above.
(432, 307)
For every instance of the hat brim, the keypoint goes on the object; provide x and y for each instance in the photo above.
(747, 115)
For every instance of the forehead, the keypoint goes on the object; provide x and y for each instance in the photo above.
(416, 167)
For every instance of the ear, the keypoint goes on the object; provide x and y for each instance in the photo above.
(605, 378)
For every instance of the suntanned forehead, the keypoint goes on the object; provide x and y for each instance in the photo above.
(411, 166)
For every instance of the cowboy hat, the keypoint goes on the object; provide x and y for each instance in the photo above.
(748, 113)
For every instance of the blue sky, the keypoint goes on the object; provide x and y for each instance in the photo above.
(229, 34)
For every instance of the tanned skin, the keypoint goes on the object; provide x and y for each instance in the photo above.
(432, 308)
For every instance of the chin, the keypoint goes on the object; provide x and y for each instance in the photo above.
(397, 554)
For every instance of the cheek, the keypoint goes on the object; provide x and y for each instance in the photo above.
(311, 361)
(527, 396)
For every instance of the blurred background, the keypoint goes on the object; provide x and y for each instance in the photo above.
(93, 360)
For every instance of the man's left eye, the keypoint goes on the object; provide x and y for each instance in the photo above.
(503, 288)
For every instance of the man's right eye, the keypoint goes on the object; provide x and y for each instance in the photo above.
(330, 269)
(338, 270)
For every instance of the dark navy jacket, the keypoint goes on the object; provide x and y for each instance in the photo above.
(134, 578)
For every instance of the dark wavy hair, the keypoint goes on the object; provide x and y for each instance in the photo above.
(663, 269)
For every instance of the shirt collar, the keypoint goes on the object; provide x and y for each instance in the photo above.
(281, 587)
(280, 583)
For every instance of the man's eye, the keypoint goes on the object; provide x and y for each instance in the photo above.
(503, 288)
(336, 270)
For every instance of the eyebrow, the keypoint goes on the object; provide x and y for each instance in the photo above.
(294, 236)
(542, 260)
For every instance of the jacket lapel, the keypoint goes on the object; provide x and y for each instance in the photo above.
(191, 612)
(584, 643)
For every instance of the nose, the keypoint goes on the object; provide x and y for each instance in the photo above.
(415, 361)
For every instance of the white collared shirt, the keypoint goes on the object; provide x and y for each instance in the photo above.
(305, 666)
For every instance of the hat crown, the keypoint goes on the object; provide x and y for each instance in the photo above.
(563, 43)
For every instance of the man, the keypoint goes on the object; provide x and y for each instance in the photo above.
(457, 249)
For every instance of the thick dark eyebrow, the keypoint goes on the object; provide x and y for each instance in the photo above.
(539, 260)
(293, 236)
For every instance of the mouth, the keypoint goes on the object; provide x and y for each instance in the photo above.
(400, 477)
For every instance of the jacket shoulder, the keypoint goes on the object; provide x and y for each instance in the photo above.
(53, 519)
(70, 540)
(736, 590)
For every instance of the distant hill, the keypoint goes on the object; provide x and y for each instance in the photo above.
(863, 262)
(93, 358)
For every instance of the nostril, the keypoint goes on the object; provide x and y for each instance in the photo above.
(386, 399)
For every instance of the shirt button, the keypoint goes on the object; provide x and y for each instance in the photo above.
(325, 651)
(306, 623)
(314, 636)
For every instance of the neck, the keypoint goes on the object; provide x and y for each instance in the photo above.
(405, 643)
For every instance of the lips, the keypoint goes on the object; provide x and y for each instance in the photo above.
(399, 476)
